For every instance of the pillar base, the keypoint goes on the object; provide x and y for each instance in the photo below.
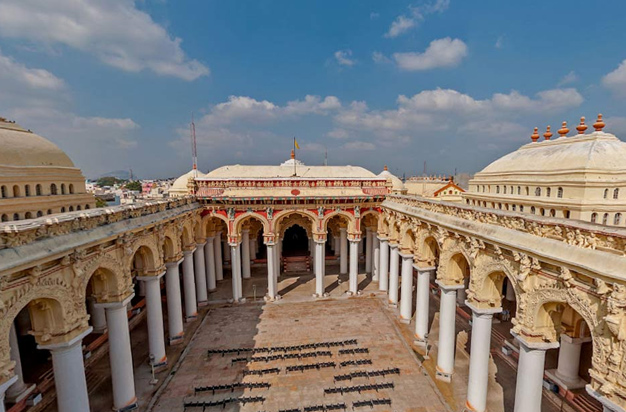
(203, 303)
(606, 403)
(100, 331)
(393, 305)
(130, 407)
(191, 318)
(241, 300)
(213, 290)
(443, 376)
(22, 395)
(420, 342)
(176, 340)
(566, 384)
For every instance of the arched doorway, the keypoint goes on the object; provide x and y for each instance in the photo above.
(295, 242)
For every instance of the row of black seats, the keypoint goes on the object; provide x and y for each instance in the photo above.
(367, 374)
(359, 388)
(302, 368)
(356, 362)
(261, 372)
(371, 402)
(353, 351)
(293, 348)
(328, 407)
(287, 356)
(232, 386)
(223, 402)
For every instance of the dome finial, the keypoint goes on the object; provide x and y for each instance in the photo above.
(385, 168)
(535, 135)
(563, 131)
(582, 126)
(599, 124)
(293, 154)
(548, 134)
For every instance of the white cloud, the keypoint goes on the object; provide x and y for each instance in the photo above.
(616, 80)
(338, 134)
(122, 124)
(570, 77)
(378, 57)
(359, 145)
(344, 57)
(115, 31)
(12, 72)
(403, 23)
(312, 104)
(499, 42)
(444, 52)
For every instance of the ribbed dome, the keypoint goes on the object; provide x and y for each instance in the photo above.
(180, 184)
(397, 185)
(597, 151)
(23, 148)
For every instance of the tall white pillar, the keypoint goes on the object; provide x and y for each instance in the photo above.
(120, 355)
(200, 274)
(447, 332)
(528, 389)
(343, 254)
(225, 251)
(319, 268)
(361, 245)
(18, 390)
(368, 250)
(422, 306)
(566, 374)
(277, 259)
(209, 264)
(156, 339)
(189, 288)
(69, 374)
(97, 316)
(271, 272)
(406, 301)
(217, 254)
(478, 382)
(235, 260)
(383, 275)
(393, 274)
(253, 248)
(354, 267)
(375, 257)
(245, 253)
(174, 304)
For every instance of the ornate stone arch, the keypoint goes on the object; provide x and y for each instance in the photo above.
(243, 218)
(449, 266)
(187, 235)
(114, 279)
(351, 220)
(485, 283)
(407, 239)
(283, 214)
(149, 242)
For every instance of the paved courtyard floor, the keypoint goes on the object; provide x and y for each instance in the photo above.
(288, 323)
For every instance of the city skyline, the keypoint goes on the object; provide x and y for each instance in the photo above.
(456, 85)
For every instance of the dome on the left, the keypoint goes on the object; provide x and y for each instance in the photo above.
(179, 187)
(21, 147)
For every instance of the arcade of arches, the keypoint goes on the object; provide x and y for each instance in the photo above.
(563, 284)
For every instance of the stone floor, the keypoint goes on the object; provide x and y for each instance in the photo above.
(295, 323)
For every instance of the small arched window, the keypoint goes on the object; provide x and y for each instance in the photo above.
(552, 212)
(500, 206)
(16, 216)
(527, 191)
(504, 188)
(71, 189)
(605, 219)
(62, 188)
(78, 207)
(63, 209)
(87, 207)
(38, 190)
(27, 190)
(3, 191)
(49, 212)
(519, 190)
(617, 219)
(16, 191)
(497, 189)
(521, 208)
(39, 213)
(594, 217)
(506, 206)
(559, 192)
(606, 193)
(5, 218)
(548, 191)
(616, 194)
(566, 214)
(53, 189)
(543, 211)
(532, 210)
(71, 208)
(28, 215)
(511, 190)
(513, 207)
(538, 191)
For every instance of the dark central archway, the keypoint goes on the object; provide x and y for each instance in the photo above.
(295, 241)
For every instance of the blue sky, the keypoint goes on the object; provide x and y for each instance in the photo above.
(453, 83)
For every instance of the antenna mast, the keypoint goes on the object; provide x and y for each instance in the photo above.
(194, 153)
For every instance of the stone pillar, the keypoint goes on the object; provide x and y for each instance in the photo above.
(120, 355)
(360, 246)
(235, 262)
(69, 374)
(97, 316)
(174, 305)
(253, 249)
(225, 251)
(422, 306)
(271, 272)
(461, 294)
(245, 253)
(406, 302)
(5, 386)
(528, 389)
(368, 250)
(343, 247)
(156, 340)
(278, 259)
(189, 288)
(217, 253)
(478, 381)
(447, 332)
(200, 272)
(383, 275)
(354, 265)
(18, 390)
(566, 374)
(375, 257)
(393, 275)
(319, 268)
(209, 264)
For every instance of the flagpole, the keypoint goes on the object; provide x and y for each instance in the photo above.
(294, 157)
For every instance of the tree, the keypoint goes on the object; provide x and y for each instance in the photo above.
(101, 202)
(108, 181)
(136, 186)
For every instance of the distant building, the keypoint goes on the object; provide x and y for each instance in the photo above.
(435, 188)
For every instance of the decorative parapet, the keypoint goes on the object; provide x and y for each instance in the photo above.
(18, 233)
(573, 232)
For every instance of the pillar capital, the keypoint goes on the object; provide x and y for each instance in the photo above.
(188, 251)
(406, 255)
(383, 238)
(482, 312)
(173, 262)
(574, 341)
(117, 304)
(447, 287)
(200, 243)
(421, 269)
(393, 245)
(72, 338)
(156, 276)
(534, 345)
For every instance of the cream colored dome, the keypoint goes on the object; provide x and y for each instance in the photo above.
(179, 186)
(598, 151)
(397, 185)
(23, 148)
